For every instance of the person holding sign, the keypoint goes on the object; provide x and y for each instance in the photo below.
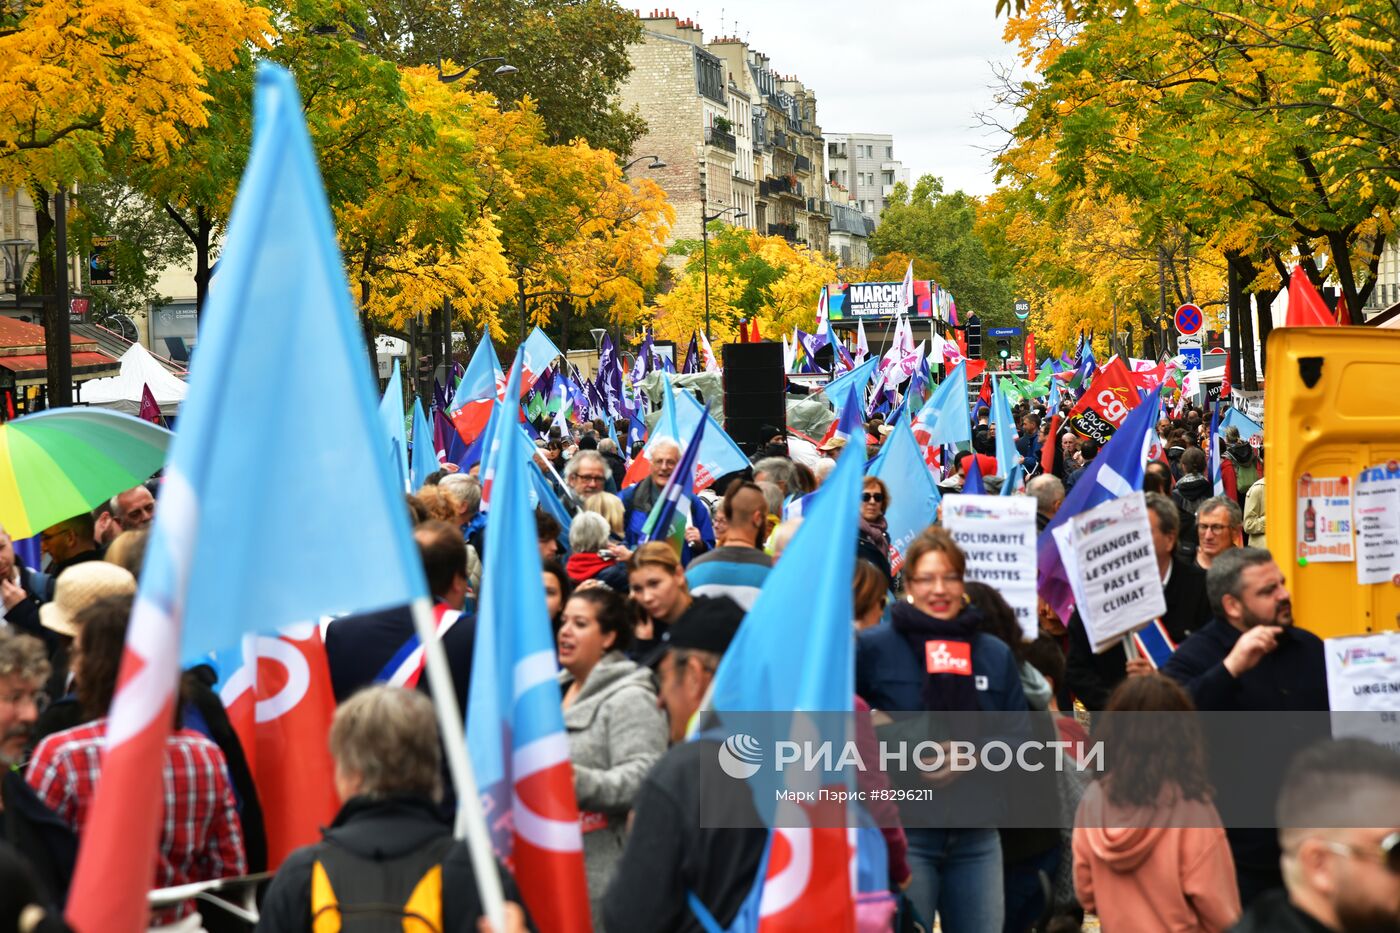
(1251, 657)
(1091, 676)
(934, 658)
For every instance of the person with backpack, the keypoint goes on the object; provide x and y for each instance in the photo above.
(390, 842)
(1192, 488)
(1239, 466)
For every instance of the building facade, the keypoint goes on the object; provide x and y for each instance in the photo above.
(738, 139)
(865, 165)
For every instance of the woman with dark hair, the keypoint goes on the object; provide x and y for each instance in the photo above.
(1149, 850)
(934, 657)
(557, 589)
(873, 539)
(616, 731)
(871, 593)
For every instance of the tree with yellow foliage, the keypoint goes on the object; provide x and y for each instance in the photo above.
(78, 75)
(750, 276)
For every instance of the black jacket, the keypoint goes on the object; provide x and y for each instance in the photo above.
(45, 841)
(1092, 677)
(358, 647)
(669, 854)
(1249, 754)
(381, 831)
(1273, 912)
(618, 467)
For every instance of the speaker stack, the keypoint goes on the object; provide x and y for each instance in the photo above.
(755, 392)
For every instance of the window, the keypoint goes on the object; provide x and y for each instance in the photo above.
(889, 152)
(709, 76)
(888, 178)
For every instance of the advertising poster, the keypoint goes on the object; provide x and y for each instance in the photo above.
(1324, 519)
(1376, 511)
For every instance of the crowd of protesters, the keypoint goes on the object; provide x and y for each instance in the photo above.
(640, 630)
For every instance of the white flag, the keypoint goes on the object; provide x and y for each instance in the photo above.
(908, 291)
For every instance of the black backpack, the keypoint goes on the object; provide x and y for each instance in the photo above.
(354, 894)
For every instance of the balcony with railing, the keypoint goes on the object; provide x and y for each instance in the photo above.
(720, 139)
(804, 164)
(781, 185)
(782, 140)
(786, 231)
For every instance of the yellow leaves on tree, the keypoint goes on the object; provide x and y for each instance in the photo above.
(750, 276)
(76, 75)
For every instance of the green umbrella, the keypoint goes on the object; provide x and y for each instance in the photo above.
(62, 462)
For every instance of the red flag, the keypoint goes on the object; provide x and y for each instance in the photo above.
(1343, 313)
(962, 343)
(984, 395)
(150, 411)
(280, 703)
(1047, 450)
(117, 858)
(1030, 355)
(753, 334)
(975, 368)
(1305, 306)
(638, 470)
(1106, 404)
(809, 875)
(1225, 380)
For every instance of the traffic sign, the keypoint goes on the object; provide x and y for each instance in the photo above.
(1004, 332)
(1217, 351)
(1189, 320)
(1192, 356)
(1022, 307)
(1190, 340)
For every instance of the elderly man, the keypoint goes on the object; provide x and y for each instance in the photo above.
(25, 821)
(389, 855)
(1219, 527)
(21, 590)
(1339, 828)
(588, 473)
(134, 509)
(673, 862)
(638, 500)
(71, 541)
(1049, 495)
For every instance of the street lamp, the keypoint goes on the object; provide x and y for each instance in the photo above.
(654, 164)
(500, 72)
(705, 246)
(17, 254)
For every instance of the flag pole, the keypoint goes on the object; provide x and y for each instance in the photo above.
(471, 822)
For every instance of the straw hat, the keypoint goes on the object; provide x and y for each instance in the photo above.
(80, 586)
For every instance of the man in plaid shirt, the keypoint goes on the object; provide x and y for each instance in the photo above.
(201, 837)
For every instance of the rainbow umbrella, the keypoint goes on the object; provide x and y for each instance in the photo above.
(59, 463)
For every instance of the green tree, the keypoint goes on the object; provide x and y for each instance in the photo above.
(572, 56)
(931, 225)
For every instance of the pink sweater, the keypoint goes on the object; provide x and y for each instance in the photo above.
(1146, 870)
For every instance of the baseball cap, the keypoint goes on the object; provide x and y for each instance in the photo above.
(80, 586)
(708, 625)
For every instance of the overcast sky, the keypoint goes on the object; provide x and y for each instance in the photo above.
(919, 69)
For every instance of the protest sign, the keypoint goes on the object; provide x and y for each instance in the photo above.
(1116, 582)
(1377, 515)
(998, 536)
(1363, 677)
(1324, 519)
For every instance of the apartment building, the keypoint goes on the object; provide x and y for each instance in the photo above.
(865, 165)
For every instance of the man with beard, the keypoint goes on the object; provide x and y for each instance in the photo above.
(1341, 874)
(639, 499)
(1252, 658)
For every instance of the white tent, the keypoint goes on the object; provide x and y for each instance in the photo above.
(123, 392)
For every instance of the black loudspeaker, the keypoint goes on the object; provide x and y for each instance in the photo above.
(755, 393)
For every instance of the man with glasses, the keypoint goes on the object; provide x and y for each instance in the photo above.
(25, 822)
(1219, 526)
(71, 541)
(588, 473)
(638, 500)
(1339, 874)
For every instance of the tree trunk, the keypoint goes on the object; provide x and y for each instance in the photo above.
(524, 320)
(1237, 268)
(1263, 302)
(1249, 374)
(58, 336)
(566, 313)
(203, 228)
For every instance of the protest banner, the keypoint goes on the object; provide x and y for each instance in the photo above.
(1112, 568)
(1324, 519)
(1363, 687)
(1376, 512)
(1103, 408)
(998, 536)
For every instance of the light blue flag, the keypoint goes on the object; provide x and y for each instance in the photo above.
(681, 413)
(482, 379)
(854, 381)
(914, 496)
(944, 416)
(391, 416)
(327, 531)
(515, 728)
(782, 660)
(425, 459)
(537, 352)
(1248, 427)
(1007, 455)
